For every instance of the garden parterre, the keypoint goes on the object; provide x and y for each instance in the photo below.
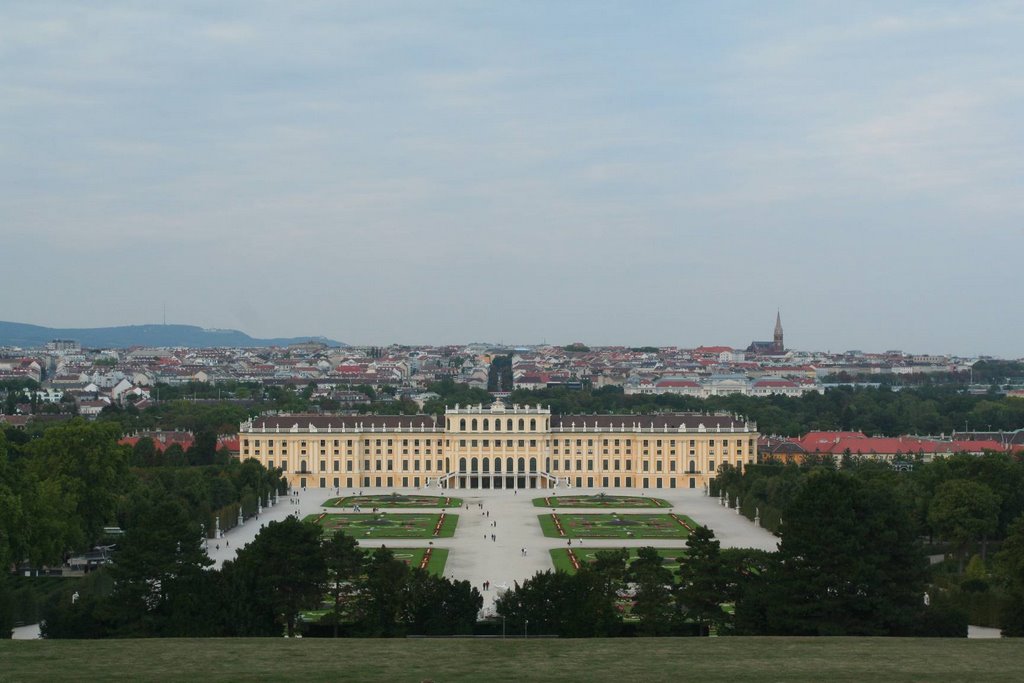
(385, 525)
(615, 525)
(600, 500)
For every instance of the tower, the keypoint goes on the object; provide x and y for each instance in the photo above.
(777, 344)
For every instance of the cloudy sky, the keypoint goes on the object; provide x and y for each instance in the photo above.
(667, 173)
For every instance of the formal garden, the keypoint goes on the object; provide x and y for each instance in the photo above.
(570, 559)
(387, 525)
(615, 525)
(600, 500)
(394, 500)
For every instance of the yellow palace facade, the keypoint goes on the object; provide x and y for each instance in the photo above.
(499, 447)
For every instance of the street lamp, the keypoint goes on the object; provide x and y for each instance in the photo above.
(526, 624)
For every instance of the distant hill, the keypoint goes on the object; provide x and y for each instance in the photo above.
(20, 334)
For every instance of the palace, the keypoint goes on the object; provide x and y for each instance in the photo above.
(499, 447)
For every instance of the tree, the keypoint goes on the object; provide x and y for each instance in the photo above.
(345, 566)
(174, 456)
(11, 523)
(849, 562)
(702, 581)
(157, 569)
(144, 453)
(1010, 568)
(963, 511)
(653, 604)
(204, 450)
(383, 597)
(436, 606)
(284, 566)
(577, 606)
(90, 464)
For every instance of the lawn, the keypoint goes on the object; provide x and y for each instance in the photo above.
(733, 659)
(601, 500)
(394, 500)
(384, 525)
(414, 558)
(560, 557)
(614, 525)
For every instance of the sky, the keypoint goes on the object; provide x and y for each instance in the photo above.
(635, 173)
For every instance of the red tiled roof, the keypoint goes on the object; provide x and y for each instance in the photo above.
(837, 443)
(680, 383)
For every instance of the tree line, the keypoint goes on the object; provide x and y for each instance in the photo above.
(848, 563)
(874, 411)
(60, 491)
(969, 508)
(161, 585)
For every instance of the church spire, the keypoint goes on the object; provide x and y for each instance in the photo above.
(778, 345)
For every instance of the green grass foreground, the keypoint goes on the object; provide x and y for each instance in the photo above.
(627, 659)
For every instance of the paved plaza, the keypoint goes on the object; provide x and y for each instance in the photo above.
(512, 518)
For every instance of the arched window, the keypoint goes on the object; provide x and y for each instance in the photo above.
(474, 424)
(462, 464)
(522, 464)
(547, 464)
(693, 466)
(522, 424)
(462, 424)
(509, 425)
(487, 424)
(497, 465)
(497, 425)
(448, 423)
(447, 465)
(303, 468)
(475, 465)
(508, 465)
(533, 424)
(533, 464)
(487, 465)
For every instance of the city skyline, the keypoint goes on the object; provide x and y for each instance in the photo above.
(397, 173)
